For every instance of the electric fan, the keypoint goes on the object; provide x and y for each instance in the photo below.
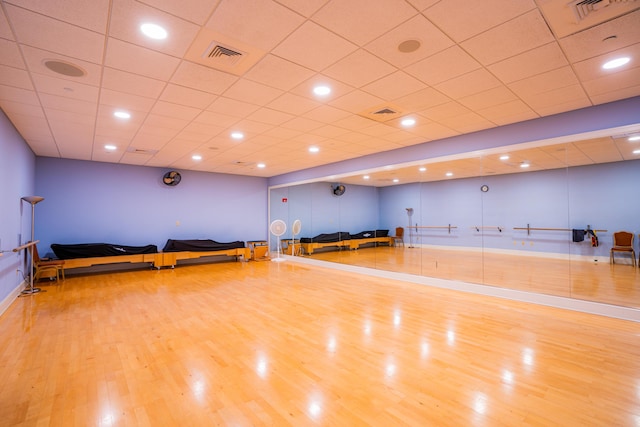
(277, 228)
(296, 227)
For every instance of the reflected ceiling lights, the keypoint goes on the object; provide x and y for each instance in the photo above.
(237, 135)
(408, 122)
(634, 138)
(615, 63)
(110, 147)
(196, 157)
(122, 114)
(422, 169)
(524, 165)
(153, 31)
(261, 165)
(504, 157)
(313, 149)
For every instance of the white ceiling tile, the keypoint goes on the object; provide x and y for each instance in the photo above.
(443, 66)
(10, 54)
(16, 77)
(326, 114)
(128, 15)
(267, 115)
(512, 38)
(394, 86)
(615, 95)
(505, 113)
(126, 101)
(361, 20)
(302, 124)
(591, 42)
(91, 15)
(215, 119)
(122, 81)
(232, 19)
(431, 39)
(544, 82)
(251, 127)
(56, 36)
(468, 84)
(232, 107)
(252, 92)
(157, 121)
(359, 68)
(466, 123)
(527, 64)
(433, 131)
(68, 88)
(22, 96)
(68, 104)
(5, 29)
(168, 109)
(421, 100)
(139, 60)
(293, 104)
(613, 82)
(277, 72)
(202, 78)
(443, 111)
(462, 19)
(496, 96)
(551, 108)
(282, 133)
(197, 11)
(186, 96)
(327, 47)
(356, 101)
(305, 8)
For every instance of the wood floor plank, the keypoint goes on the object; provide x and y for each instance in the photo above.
(279, 344)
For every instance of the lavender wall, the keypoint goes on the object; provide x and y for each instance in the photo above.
(17, 164)
(87, 202)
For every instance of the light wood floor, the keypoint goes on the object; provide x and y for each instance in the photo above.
(284, 344)
(617, 284)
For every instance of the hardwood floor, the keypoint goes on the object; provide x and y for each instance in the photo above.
(617, 284)
(284, 344)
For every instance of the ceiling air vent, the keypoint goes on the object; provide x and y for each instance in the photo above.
(582, 8)
(218, 52)
(385, 111)
(382, 113)
(134, 150)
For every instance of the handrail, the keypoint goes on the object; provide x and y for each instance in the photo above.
(25, 246)
(481, 227)
(448, 227)
(529, 229)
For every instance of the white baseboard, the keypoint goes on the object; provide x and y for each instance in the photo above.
(9, 299)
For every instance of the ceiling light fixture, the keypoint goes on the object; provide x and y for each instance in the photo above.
(110, 147)
(396, 180)
(196, 157)
(261, 165)
(122, 114)
(504, 157)
(615, 63)
(634, 138)
(365, 177)
(524, 165)
(636, 151)
(153, 31)
(422, 169)
(408, 122)
(237, 135)
(449, 174)
(313, 149)
(322, 90)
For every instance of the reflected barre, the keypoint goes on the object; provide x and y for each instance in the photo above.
(484, 227)
(446, 227)
(25, 246)
(529, 229)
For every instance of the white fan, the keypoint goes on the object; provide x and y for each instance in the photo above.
(278, 228)
(296, 227)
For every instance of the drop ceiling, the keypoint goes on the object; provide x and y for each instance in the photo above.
(477, 65)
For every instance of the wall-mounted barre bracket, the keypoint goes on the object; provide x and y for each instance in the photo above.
(482, 227)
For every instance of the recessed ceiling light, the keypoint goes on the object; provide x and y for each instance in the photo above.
(365, 177)
(110, 147)
(636, 151)
(615, 63)
(408, 122)
(237, 135)
(313, 149)
(122, 114)
(261, 165)
(504, 157)
(196, 157)
(422, 169)
(322, 90)
(153, 31)
(524, 165)
(449, 174)
(396, 180)
(634, 138)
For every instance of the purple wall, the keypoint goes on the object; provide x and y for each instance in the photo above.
(17, 165)
(91, 202)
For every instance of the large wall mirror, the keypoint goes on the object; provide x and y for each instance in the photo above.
(538, 217)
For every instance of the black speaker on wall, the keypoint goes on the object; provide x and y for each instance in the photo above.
(171, 178)
(338, 189)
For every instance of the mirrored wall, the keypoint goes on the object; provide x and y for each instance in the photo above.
(533, 218)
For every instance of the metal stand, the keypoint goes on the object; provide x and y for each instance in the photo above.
(32, 200)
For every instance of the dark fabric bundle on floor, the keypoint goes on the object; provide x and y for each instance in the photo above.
(327, 238)
(91, 250)
(199, 245)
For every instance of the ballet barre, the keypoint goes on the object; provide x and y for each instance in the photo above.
(484, 227)
(25, 246)
(446, 227)
(529, 229)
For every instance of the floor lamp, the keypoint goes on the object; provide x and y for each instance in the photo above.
(409, 214)
(32, 200)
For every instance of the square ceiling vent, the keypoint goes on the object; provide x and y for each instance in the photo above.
(223, 53)
(383, 113)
